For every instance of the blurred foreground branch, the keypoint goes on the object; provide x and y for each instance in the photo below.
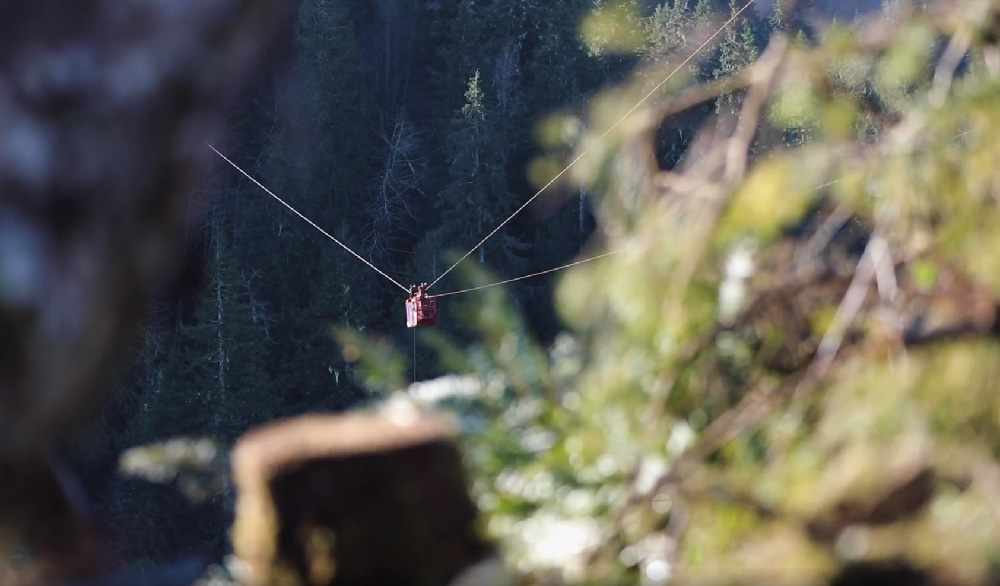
(788, 373)
(104, 110)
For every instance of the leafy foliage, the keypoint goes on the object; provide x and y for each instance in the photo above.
(795, 386)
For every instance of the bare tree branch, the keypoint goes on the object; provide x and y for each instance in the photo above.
(403, 171)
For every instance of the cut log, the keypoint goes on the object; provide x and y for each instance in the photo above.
(362, 498)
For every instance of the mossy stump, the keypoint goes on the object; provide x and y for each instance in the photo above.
(374, 497)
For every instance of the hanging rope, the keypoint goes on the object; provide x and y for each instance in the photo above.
(572, 264)
(311, 223)
(604, 135)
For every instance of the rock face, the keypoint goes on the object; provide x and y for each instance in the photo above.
(105, 107)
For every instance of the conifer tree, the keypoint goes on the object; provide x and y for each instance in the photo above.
(322, 158)
(737, 50)
(738, 47)
(477, 197)
(231, 333)
(705, 10)
(667, 29)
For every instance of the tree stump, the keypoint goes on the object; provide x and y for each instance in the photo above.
(373, 497)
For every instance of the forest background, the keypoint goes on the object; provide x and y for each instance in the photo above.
(409, 130)
(405, 129)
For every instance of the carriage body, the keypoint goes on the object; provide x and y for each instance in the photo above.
(421, 310)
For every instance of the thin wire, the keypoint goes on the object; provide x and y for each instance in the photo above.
(545, 272)
(835, 181)
(311, 223)
(827, 184)
(605, 134)
(818, 187)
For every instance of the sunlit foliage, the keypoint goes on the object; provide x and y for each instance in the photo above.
(788, 372)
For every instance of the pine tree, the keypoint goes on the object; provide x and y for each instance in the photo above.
(142, 516)
(705, 10)
(737, 50)
(322, 157)
(738, 47)
(667, 29)
(477, 198)
(231, 332)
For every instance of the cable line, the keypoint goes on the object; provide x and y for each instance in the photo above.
(605, 134)
(572, 264)
(311, 223)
